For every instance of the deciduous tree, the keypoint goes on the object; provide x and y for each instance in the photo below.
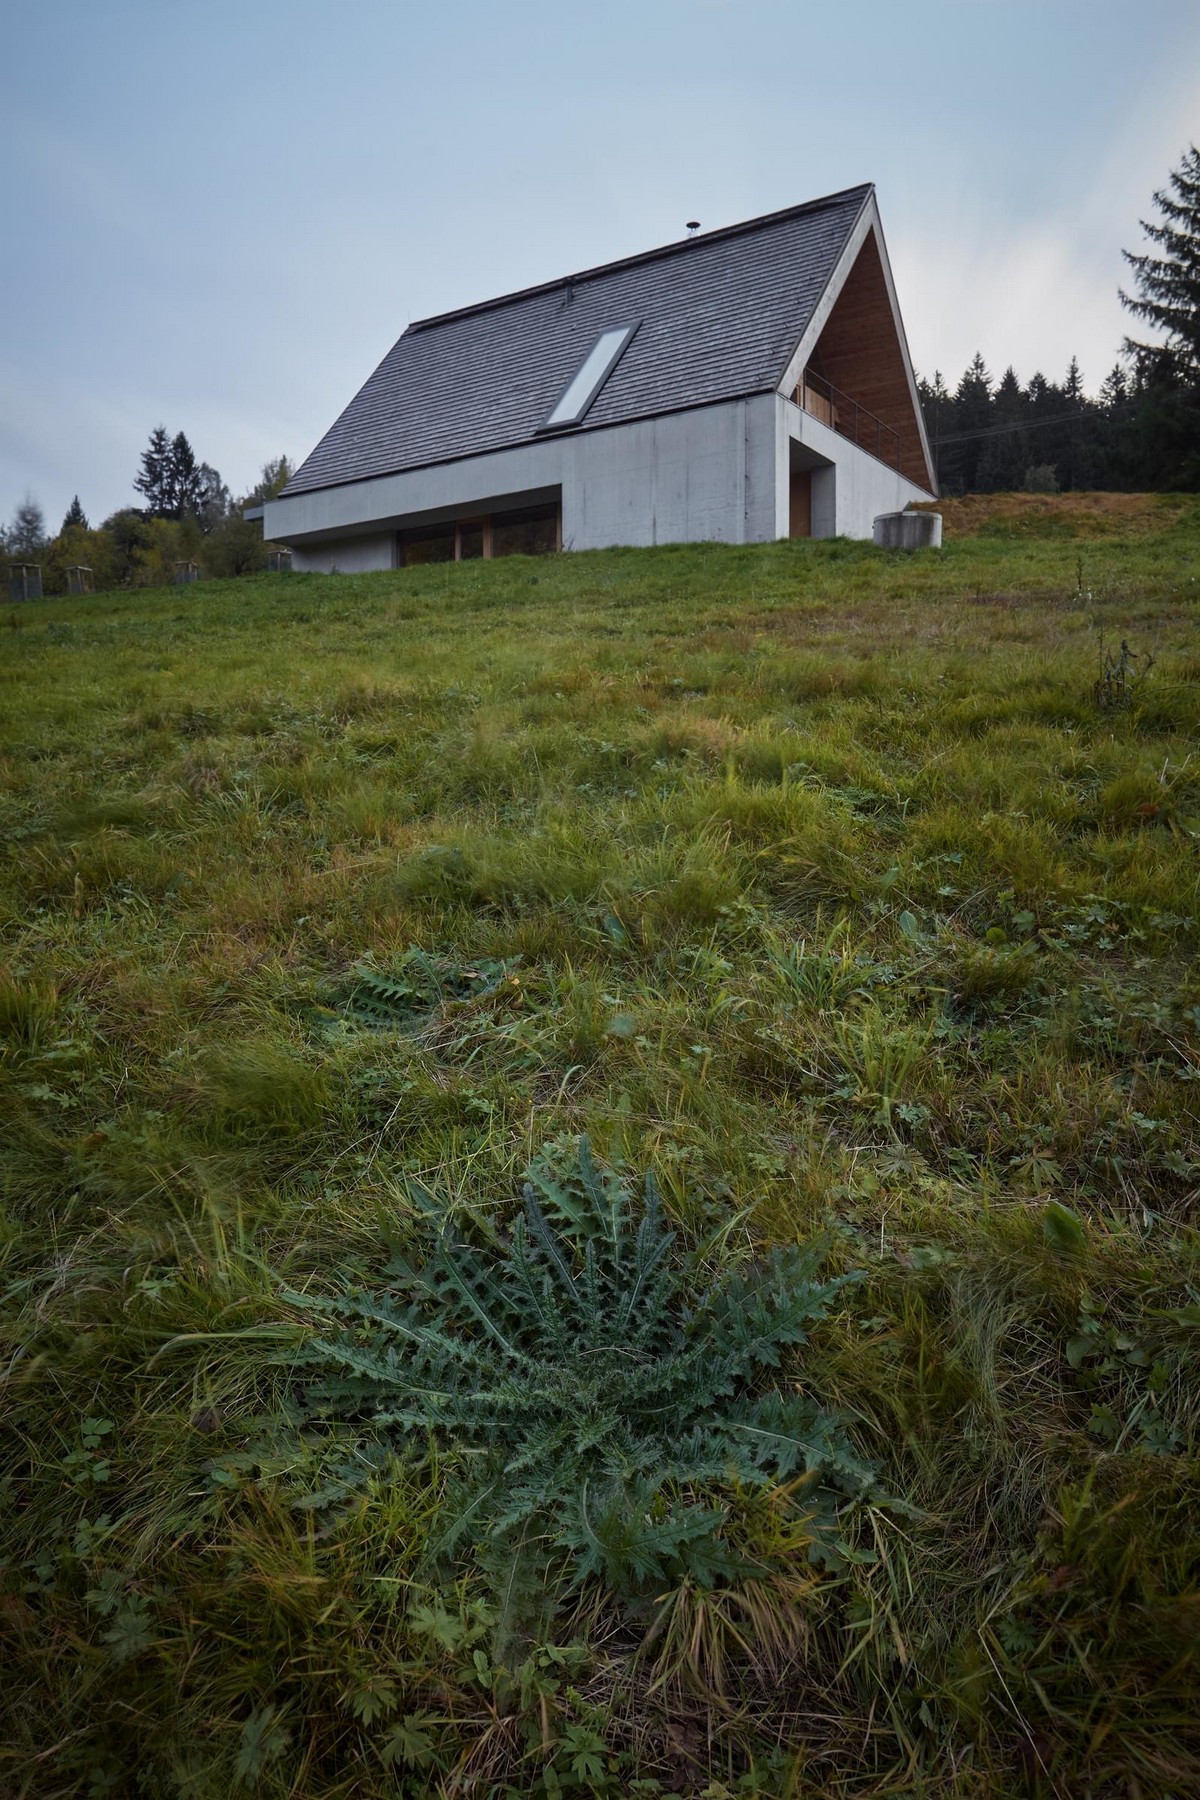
(128, 534)
(213, 500)
(274, 478)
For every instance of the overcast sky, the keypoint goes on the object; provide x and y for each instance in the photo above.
(220, 216)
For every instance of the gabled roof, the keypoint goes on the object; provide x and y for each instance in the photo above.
(720, 315)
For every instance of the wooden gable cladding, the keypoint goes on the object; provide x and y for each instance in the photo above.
(859, 351)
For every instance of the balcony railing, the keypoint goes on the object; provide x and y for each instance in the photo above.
(823, 401)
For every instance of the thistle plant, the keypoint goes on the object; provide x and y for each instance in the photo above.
(599, 1394)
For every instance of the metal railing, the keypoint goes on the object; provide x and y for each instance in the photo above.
(832, 407)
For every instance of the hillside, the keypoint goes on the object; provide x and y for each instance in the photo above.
(1071, 515)
(852, 896)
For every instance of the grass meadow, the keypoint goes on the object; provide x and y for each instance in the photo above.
(835, 889)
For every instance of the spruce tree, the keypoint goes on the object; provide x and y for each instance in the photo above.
(976, 383)
(184, 481)
(1009, 397)
(75, 518)
(937, 405)
(1070, 444)
(1005, 457)
(973, 413)
(1116, 444)
(1168, 284)
(154, 480)
(1040, 393)
(1114, 389)
(1166, 430)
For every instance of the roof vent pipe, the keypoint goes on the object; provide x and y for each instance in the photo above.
(693, 226)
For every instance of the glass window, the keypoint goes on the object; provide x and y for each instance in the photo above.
(470, 539)
(533, 531)
(433, 544)
(597, 367)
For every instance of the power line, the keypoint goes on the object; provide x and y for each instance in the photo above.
(990, 431)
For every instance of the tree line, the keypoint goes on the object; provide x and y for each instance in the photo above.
(1139, 433)
(188, 515)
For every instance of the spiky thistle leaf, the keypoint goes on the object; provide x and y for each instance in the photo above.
(593, 1382)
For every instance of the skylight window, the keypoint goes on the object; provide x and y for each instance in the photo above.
(598, 365)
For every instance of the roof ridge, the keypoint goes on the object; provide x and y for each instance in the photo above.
(714, 323)
(677, 247)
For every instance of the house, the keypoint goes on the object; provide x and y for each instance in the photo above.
(740, 385)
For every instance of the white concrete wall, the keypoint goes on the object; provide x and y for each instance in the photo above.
(708, 473)
(823, 517)
(849, 487)
(705, 475)
(717, 473)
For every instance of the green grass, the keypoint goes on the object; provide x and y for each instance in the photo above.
(810, 878)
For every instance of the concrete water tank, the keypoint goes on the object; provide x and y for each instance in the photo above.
(908, 530)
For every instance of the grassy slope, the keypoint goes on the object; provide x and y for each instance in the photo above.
(835, 900)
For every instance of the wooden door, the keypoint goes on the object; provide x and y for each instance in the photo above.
(800, 503)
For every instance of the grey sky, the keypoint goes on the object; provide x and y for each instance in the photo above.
(220, 217)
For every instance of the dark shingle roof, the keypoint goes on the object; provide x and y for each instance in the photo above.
(720, 316)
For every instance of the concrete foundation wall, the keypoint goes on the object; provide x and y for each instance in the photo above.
(717, 473)
(704, 474)
(350, 556)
